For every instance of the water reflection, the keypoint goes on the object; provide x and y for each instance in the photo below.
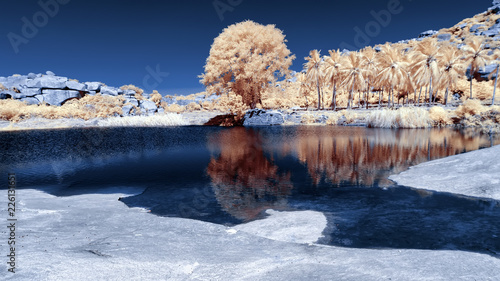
(244, 180)
(229, 176)
(367, 157)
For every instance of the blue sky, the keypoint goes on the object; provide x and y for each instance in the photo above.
(163, 45)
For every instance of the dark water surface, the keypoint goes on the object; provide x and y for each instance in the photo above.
(232, 175)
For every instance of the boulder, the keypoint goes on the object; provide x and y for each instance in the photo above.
(259, 117)
(30, 100)
(31, 75)
(184, 102)
(169, 100)
(484, 73)
(129, 93)
(73, 85)
(93, 86)
(58, 97)
(47, 82)
(462, 26)
(475, 28)
(112, 91)
(30, 92)
(128, 110)
(444, 37)
(14, 81)
(6, 94)
(492, 31)
(148, 107)
(427, 33)
(50, 73)
(132, 101)
(91, 93)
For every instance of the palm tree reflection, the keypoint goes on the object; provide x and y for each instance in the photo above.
(368, 157)
(245, 181)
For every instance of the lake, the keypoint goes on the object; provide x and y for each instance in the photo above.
(231, 176)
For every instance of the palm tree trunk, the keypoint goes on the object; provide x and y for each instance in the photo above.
(350, 94)
(446, 97)
(419, 94)
(319, 95)
(426, 92)
(430, 91)
(471, 81)
(495, 89)
(367, 94)
(334, 99)
(390, 100)
(380, 93)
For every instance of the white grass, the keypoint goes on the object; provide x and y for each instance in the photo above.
(409, 117)
(158, 120)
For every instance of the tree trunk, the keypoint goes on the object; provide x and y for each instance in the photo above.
(446, 97)
(380, 94)
(367, 94)
(430, 91)
(419, 94)
(471, 81)
(350, 94)
(495, 89)
(334, 98)
(390, 99)
(319, 95)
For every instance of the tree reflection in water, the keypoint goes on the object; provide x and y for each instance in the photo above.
(244, 180)
(368, 157)
(247, 180)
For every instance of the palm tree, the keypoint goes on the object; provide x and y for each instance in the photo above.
(452, 66)
(371, 66)
(393, 69)
(313, 71)
(425, 62)
(354, 74)
(304, 87)
(495, 56)
(476, 55)
(331, 69)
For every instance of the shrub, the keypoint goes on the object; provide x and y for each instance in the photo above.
(193, 106)
(156, 97)
(470, 107)
(402, 118)
(439, 115)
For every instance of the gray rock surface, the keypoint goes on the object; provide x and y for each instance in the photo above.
(73, 85)
(474, 174)
(427, 33)
(476, 27)
(112, 91)
(48, 81)
(259, 117)
(58, 97)
(483, 74)
(30, 100)
(444, 37)
(148, 107)
(93, 86)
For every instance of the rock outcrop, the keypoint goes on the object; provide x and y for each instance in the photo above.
(259, 117)
(56, 90)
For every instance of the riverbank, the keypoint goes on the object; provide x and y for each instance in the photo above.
(470, 115)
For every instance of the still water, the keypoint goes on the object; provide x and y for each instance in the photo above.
(232, 175)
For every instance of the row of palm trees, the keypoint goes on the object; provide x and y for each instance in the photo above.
(399, 70)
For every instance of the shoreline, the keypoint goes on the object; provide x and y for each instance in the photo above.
(354, 117)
